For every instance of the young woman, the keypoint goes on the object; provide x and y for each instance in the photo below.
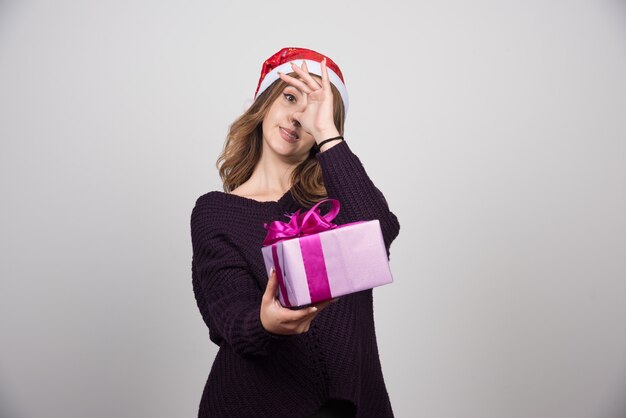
(284, 153)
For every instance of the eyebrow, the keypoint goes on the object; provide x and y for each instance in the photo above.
(294, 87)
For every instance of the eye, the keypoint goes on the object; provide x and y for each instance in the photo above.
(288, 96)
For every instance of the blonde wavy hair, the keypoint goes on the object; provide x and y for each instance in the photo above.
(244, 145)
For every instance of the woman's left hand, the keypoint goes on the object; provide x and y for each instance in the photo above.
(318, 116)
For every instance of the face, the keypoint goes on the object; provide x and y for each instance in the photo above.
(282, 134)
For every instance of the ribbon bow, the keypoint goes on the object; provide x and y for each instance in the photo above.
(310, 222)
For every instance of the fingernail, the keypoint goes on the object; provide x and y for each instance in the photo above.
(314, 308)
(272, 270)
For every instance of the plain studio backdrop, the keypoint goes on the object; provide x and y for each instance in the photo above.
(495, 129)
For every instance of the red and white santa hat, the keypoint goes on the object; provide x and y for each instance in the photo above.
(281, 61)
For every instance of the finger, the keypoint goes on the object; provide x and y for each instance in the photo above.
(307, 313)
(272, 286)
(291, 315)
(322, 305)
(304, 73)
(295, 82)
(325, 79)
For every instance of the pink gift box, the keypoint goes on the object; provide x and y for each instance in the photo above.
(316, 260)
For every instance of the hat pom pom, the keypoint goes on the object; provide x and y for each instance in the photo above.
(247, 104)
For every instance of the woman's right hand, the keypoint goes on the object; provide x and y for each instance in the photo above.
(277, 319)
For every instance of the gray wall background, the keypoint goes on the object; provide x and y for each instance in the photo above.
(496, 130)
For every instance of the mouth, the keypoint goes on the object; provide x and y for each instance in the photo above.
(289, 134)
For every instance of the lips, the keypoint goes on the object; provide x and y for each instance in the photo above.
(289, 133)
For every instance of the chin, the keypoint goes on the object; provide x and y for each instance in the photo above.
(295, 151)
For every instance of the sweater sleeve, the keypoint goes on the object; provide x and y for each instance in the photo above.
(346, 180)
(226, 293)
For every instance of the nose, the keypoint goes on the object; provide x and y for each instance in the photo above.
(292, 118)
(298, 109)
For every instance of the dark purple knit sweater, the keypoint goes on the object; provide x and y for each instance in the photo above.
(259, 374)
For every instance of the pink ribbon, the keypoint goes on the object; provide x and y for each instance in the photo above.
(310, 222)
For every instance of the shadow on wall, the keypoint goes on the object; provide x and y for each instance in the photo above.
(620, 6)
(8, 9)
(7, 409)
(620, 403)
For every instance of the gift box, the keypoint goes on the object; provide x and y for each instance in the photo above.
(316, 260)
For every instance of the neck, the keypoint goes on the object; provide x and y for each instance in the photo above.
(272, 174)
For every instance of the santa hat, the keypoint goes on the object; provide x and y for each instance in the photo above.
(281, 61)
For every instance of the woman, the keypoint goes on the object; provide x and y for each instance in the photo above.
(286, 152)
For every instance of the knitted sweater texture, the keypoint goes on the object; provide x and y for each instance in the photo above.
(259, 374)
